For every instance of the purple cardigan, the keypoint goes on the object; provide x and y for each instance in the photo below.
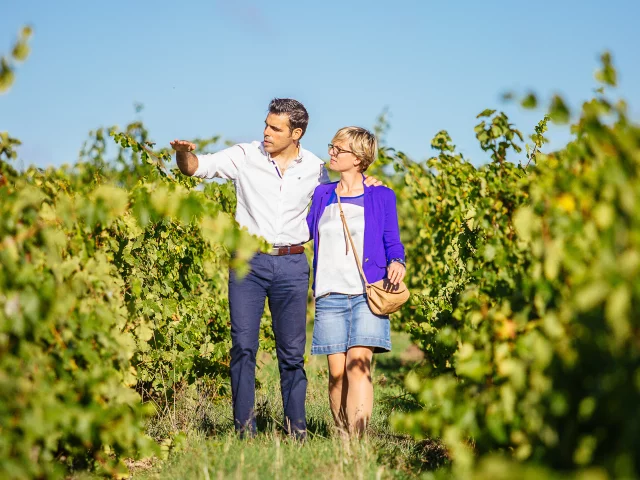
(381, 232)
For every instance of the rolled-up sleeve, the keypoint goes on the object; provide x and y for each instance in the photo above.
(225, 164)
(393, 247)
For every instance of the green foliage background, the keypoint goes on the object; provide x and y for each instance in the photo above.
(112, 292)
(113, 296)
(527, 294)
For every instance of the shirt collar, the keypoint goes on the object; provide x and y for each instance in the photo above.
(298, 159)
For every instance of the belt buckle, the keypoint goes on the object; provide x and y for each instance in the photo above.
(277, 251)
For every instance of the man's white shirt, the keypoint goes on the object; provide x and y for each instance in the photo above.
(270, 203)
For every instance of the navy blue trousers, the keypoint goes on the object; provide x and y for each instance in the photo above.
(284, 281)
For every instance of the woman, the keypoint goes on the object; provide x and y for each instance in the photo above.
(345, 329)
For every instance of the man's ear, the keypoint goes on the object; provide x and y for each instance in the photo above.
(296, 134)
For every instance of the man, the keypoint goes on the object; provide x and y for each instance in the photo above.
(274, 181)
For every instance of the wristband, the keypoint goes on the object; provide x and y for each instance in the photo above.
(399, 260)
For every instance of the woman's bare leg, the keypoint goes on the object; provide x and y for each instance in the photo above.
(360, 393)
(338, 388)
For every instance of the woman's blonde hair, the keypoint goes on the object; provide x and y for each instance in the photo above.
(362, 143)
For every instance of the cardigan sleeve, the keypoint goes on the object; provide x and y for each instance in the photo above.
(393, 247)
(310, 222)
(312, 213)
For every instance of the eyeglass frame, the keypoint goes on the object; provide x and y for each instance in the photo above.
(338, 150)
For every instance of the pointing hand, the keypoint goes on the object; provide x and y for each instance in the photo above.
(182, 146)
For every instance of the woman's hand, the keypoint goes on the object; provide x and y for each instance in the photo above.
(396, 272)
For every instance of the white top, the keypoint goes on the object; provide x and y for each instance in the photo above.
(337, 270)
(270, 204)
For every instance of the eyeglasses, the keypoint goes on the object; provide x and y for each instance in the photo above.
(333, 150)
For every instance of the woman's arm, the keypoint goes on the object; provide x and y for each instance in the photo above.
(393, 247)
(311, 214)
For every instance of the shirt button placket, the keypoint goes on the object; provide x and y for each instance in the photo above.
(280, 205)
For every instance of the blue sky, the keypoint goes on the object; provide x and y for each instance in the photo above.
(210, 67)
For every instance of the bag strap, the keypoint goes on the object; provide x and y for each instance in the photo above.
(353, 247)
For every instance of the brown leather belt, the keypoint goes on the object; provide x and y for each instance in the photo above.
(292, 250)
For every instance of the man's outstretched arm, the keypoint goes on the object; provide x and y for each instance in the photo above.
(187, 161)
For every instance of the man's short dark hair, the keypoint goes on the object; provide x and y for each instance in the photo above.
(298, 116)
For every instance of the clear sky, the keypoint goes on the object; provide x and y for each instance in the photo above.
(211, 67)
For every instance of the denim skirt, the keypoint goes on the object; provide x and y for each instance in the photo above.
(345, 321)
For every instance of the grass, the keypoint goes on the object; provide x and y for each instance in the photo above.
(211, 450)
